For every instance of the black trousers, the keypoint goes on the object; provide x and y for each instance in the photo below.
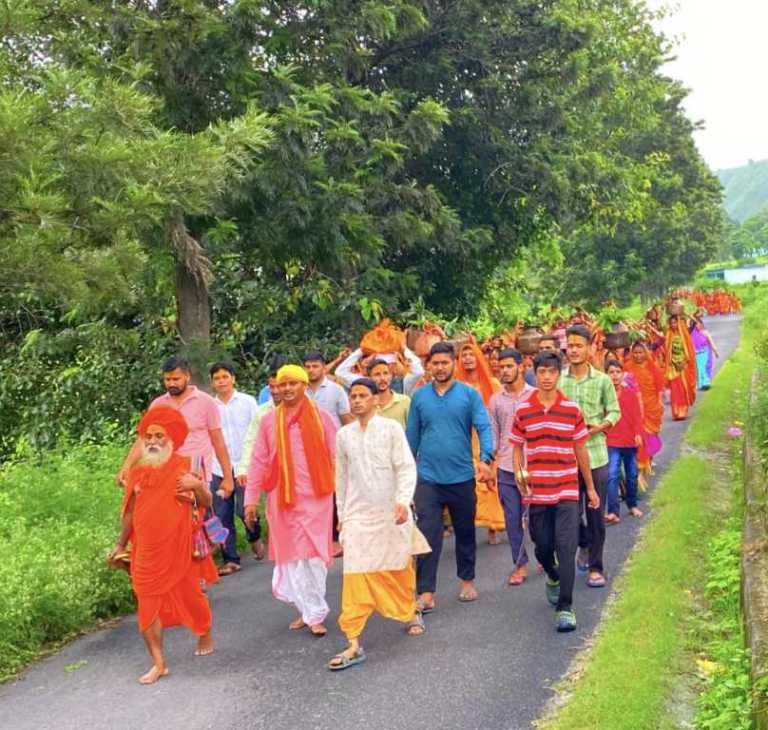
(555, 531)
(592, 527)
(460, 499)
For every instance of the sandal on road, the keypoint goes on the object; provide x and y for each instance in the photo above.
(318, 630)
(596, 580)
(517, 578)
(467, 595)
(342, 661)
(229, 568)
(416, 626)
(424, 608)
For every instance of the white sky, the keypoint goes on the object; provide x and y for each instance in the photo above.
(722, 58)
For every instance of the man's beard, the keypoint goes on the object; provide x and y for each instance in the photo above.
(176, 389)
(156, 456)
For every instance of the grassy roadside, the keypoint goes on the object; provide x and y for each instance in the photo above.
(668, 597)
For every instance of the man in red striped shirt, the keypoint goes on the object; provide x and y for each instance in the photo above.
(549, 431)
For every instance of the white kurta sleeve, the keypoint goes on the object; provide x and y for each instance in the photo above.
(403, 465)
(342, 474)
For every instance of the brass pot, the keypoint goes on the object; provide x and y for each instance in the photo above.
(528, 341)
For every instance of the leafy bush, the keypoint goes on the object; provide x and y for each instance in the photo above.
(60, 518)
(725, 702)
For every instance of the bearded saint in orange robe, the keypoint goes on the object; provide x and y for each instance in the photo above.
(473, 369)
(157, 519)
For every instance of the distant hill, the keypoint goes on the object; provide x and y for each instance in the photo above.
(745, 189)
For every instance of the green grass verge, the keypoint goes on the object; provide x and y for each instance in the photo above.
(59, 520)
(641, 647)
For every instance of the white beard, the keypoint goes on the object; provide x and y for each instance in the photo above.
(156, 456)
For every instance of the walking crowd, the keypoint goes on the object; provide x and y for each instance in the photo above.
(384, 453)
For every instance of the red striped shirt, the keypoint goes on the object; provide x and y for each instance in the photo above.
(549, 436)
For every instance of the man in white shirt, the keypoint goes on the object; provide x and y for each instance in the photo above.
(346, 370)
(237, 411)
(375, 481)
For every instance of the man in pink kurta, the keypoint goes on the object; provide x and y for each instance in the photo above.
(299, 536)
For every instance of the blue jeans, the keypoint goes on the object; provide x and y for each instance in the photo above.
(512, 503)
(616, 456)
(226, 510)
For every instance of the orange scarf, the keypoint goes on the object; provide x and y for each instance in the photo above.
(486, 383)
(319, 460)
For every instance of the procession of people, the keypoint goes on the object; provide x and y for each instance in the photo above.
(379, 456)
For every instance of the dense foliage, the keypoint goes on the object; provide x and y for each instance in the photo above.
(54, 574)
(252, 176)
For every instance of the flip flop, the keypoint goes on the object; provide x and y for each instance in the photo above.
(417, 623)
(346, 662)
(229, 568)
(516, 579)
(318, 630)
(425, 608)
(468, 596)
(598, 582)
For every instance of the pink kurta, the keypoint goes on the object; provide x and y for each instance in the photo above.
(304, 531)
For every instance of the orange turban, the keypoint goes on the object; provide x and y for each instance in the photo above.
(167, 418)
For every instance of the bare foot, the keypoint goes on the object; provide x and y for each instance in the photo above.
(153, 675)
(297, 624)
(204, 645)
(635, 512)
(258, 549)
(318, 630)
(493, 538)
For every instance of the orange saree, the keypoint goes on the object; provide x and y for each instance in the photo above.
(489, 512)
(680, 370)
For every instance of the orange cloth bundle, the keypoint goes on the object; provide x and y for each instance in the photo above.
(384, 337)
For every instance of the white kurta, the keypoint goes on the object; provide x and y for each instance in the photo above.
(374, 471)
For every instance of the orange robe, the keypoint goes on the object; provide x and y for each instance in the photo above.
(650, 381)
(165, 577)
(489, 512)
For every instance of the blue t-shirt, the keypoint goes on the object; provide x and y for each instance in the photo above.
(439, 432)
(264, 395)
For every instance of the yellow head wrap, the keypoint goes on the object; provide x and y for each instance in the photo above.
(292, 372)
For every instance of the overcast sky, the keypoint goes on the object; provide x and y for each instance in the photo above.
(722, 59)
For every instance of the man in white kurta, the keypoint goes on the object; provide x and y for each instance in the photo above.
(375, 481)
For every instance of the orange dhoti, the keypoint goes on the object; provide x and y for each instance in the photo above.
(392, 593)
(165, 577)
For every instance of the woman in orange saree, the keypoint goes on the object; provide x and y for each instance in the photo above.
(650, 382)
(680, 369)
(473, 369)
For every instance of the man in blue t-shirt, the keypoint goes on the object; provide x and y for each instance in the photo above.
(440, 423)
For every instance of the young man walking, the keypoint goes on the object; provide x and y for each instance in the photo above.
(292, 461)
(442, 418)
(550, 431)
(375, 481)
(389, 404)
(237, 410)
(502, 409)
(595, 395)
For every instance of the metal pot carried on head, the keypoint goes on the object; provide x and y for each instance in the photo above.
(528, 341)
(675, 308)
(618, 337)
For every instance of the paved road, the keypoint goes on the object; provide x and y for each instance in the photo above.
(480, 666)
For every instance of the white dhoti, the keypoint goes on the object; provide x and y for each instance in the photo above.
(302, 583)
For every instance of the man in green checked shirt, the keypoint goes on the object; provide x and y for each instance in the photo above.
(595, 395)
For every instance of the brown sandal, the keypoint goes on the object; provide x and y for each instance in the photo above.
(229, 568)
